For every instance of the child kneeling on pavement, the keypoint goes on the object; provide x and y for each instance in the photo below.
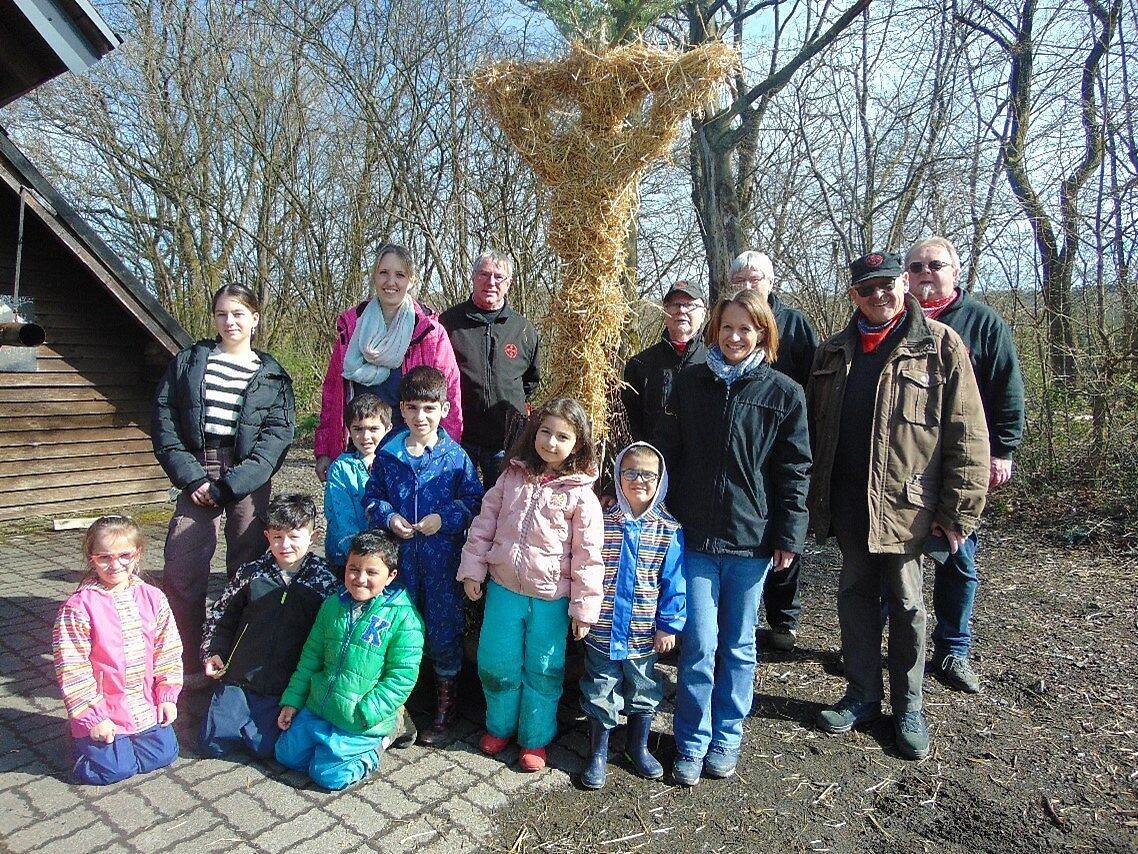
(344, 705)
(643, 609)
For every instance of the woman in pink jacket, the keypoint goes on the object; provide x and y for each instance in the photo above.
(118, 659)
(376, 343)
(538, 538)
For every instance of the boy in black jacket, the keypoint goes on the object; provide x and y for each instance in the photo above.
(254, 632)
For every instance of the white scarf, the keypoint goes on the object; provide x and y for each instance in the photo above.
(376, 347)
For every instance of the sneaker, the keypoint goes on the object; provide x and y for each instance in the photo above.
(720, 762)
(955, 672)
(912, 734)
(847, 713)
(686, 769)
(782, 640)
(532, 758)
(491, 745)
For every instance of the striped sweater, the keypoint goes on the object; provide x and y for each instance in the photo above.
(117, 656)
(226, 381)
(644, 590)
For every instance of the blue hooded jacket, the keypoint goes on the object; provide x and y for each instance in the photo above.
(644, 588)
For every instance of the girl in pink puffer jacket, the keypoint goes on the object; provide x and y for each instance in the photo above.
(118, 659)
(538, 538)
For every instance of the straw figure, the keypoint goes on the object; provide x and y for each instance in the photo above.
(582, 125)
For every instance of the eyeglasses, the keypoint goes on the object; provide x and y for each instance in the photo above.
(918, 267)
(750, 280)
(868, 290)
(105, 560)
(633, 475)
(684, 307)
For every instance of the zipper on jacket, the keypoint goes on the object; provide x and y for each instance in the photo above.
(526, 525)
(341, 654)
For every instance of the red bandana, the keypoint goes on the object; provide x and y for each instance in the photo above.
(872, 336)
(934, 308)
(680, 346)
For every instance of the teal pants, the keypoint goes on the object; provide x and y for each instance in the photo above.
(521, 662)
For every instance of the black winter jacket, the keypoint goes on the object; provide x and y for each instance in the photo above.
(259, 624)
(498, 365)
(992, 352)
(649, 377)
(797, 341)
(738, 461)
(264, 429)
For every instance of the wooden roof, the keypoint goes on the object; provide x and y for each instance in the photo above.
(44, 202)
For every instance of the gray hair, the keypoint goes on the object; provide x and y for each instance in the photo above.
(756, 260)
(943, 242)
(500, 258)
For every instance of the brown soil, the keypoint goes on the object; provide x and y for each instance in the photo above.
(1043, 759)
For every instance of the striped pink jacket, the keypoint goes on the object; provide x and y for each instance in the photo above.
(117, 655)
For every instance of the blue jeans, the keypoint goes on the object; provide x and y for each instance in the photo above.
(100, 764)
(238, 717)
(717, 653)
(333, 758)
(521, 662)
(954, 593)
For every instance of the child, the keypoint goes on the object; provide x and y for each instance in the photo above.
(539, 539)
(641, 613)
(368, 419)
(356, 670)
(118, 659)
(425, 490)
(253, 634)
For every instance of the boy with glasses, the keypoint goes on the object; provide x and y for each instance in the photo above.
(643, 609)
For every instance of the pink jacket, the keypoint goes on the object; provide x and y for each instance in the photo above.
(540, 539)
(117, 655)
(429, 346)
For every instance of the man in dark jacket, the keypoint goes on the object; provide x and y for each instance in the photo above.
(797, 342)
(497, 353)
(651, 373)
(900, 458)
(934, 271)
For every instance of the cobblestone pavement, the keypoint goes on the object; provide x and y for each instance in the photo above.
(421, 800)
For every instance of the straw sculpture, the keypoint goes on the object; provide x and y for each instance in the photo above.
(582, 124)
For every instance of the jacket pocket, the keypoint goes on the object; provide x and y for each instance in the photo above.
(922, 492)
(920, 396)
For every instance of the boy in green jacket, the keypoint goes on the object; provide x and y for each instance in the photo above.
(356, 670)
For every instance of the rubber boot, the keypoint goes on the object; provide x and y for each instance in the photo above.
(439, 730)
(593, 777)
(636, 747)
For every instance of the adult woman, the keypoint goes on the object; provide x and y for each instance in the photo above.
(736, 444)
(377, 342)
(223, 421)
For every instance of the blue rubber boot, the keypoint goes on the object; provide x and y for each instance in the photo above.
(636, 747)
(593, 777)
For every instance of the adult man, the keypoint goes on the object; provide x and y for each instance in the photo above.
(497, 353)
(934, 271)
(900, 451)
(649, 375)
(797, 342)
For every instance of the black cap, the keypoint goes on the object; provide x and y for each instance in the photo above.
(685, 287)
(875, 265)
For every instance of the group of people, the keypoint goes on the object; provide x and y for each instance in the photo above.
(442, 481)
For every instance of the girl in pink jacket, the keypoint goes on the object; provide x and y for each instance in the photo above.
(538, 538)
(377, 342)
(118, 659)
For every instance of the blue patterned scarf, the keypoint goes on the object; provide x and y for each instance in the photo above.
(730, 373)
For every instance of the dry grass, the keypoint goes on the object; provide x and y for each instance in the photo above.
(589, 124)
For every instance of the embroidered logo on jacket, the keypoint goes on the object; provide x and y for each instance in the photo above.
(374, 626)
(511, 350)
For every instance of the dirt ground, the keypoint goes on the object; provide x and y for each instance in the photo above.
(1044, 759)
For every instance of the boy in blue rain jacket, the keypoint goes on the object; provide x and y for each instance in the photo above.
(425, 490)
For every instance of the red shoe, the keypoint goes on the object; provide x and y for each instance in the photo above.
(532, 758)
(491, 745)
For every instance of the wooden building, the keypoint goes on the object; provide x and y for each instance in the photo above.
(75, 433)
